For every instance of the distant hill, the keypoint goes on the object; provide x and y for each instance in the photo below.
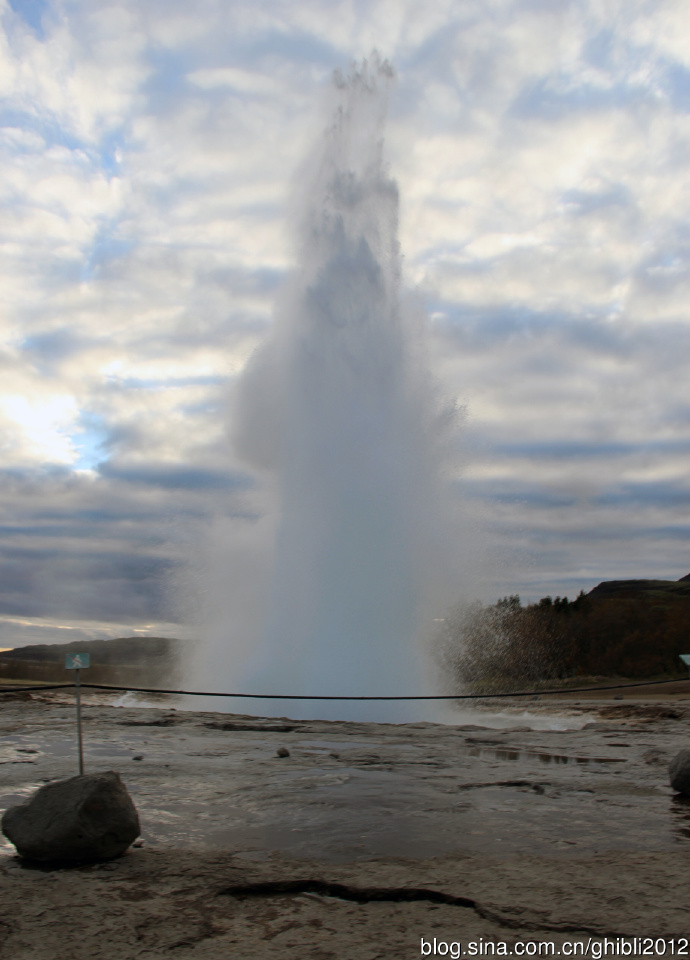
(120, 650)
(139, 661)
(650, 589)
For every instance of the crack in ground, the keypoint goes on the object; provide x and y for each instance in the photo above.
(533, 784)
(341, 891)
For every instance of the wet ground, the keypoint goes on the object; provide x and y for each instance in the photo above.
(353, 791)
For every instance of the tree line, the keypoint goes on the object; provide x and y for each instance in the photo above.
(508, 645)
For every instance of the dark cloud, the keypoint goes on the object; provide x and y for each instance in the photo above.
(175, 477)
(83, 584)
(598, 532)
(483, 328)
(586, 450)
(667, 495)
(511, 492)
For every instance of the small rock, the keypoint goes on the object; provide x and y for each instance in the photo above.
(84, 818)
(282, 752)
(138, 756)
(679, 772)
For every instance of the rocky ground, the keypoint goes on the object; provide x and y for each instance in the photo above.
(365, 840)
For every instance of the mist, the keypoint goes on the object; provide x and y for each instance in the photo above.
(349, 545)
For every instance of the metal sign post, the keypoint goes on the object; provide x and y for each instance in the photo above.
(77, 662)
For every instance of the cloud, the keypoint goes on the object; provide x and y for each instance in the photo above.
(174, 477)
(149, 154)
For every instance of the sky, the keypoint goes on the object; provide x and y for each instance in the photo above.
(149, 152)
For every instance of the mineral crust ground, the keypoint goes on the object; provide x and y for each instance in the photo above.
(557, 826)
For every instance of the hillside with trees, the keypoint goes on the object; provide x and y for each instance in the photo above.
(633, 629)
(140, 661)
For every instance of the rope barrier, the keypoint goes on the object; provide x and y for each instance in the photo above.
(295, 696)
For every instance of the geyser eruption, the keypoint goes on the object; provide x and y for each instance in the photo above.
(336, 415)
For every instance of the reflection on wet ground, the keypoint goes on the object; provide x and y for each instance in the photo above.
(542, 757)
(356, 793)
(363, 813)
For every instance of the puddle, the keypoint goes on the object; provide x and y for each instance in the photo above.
(546, 758)
(337, 746)
(345, 817)
(359, 814)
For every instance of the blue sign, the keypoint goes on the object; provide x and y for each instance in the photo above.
(76, 661)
